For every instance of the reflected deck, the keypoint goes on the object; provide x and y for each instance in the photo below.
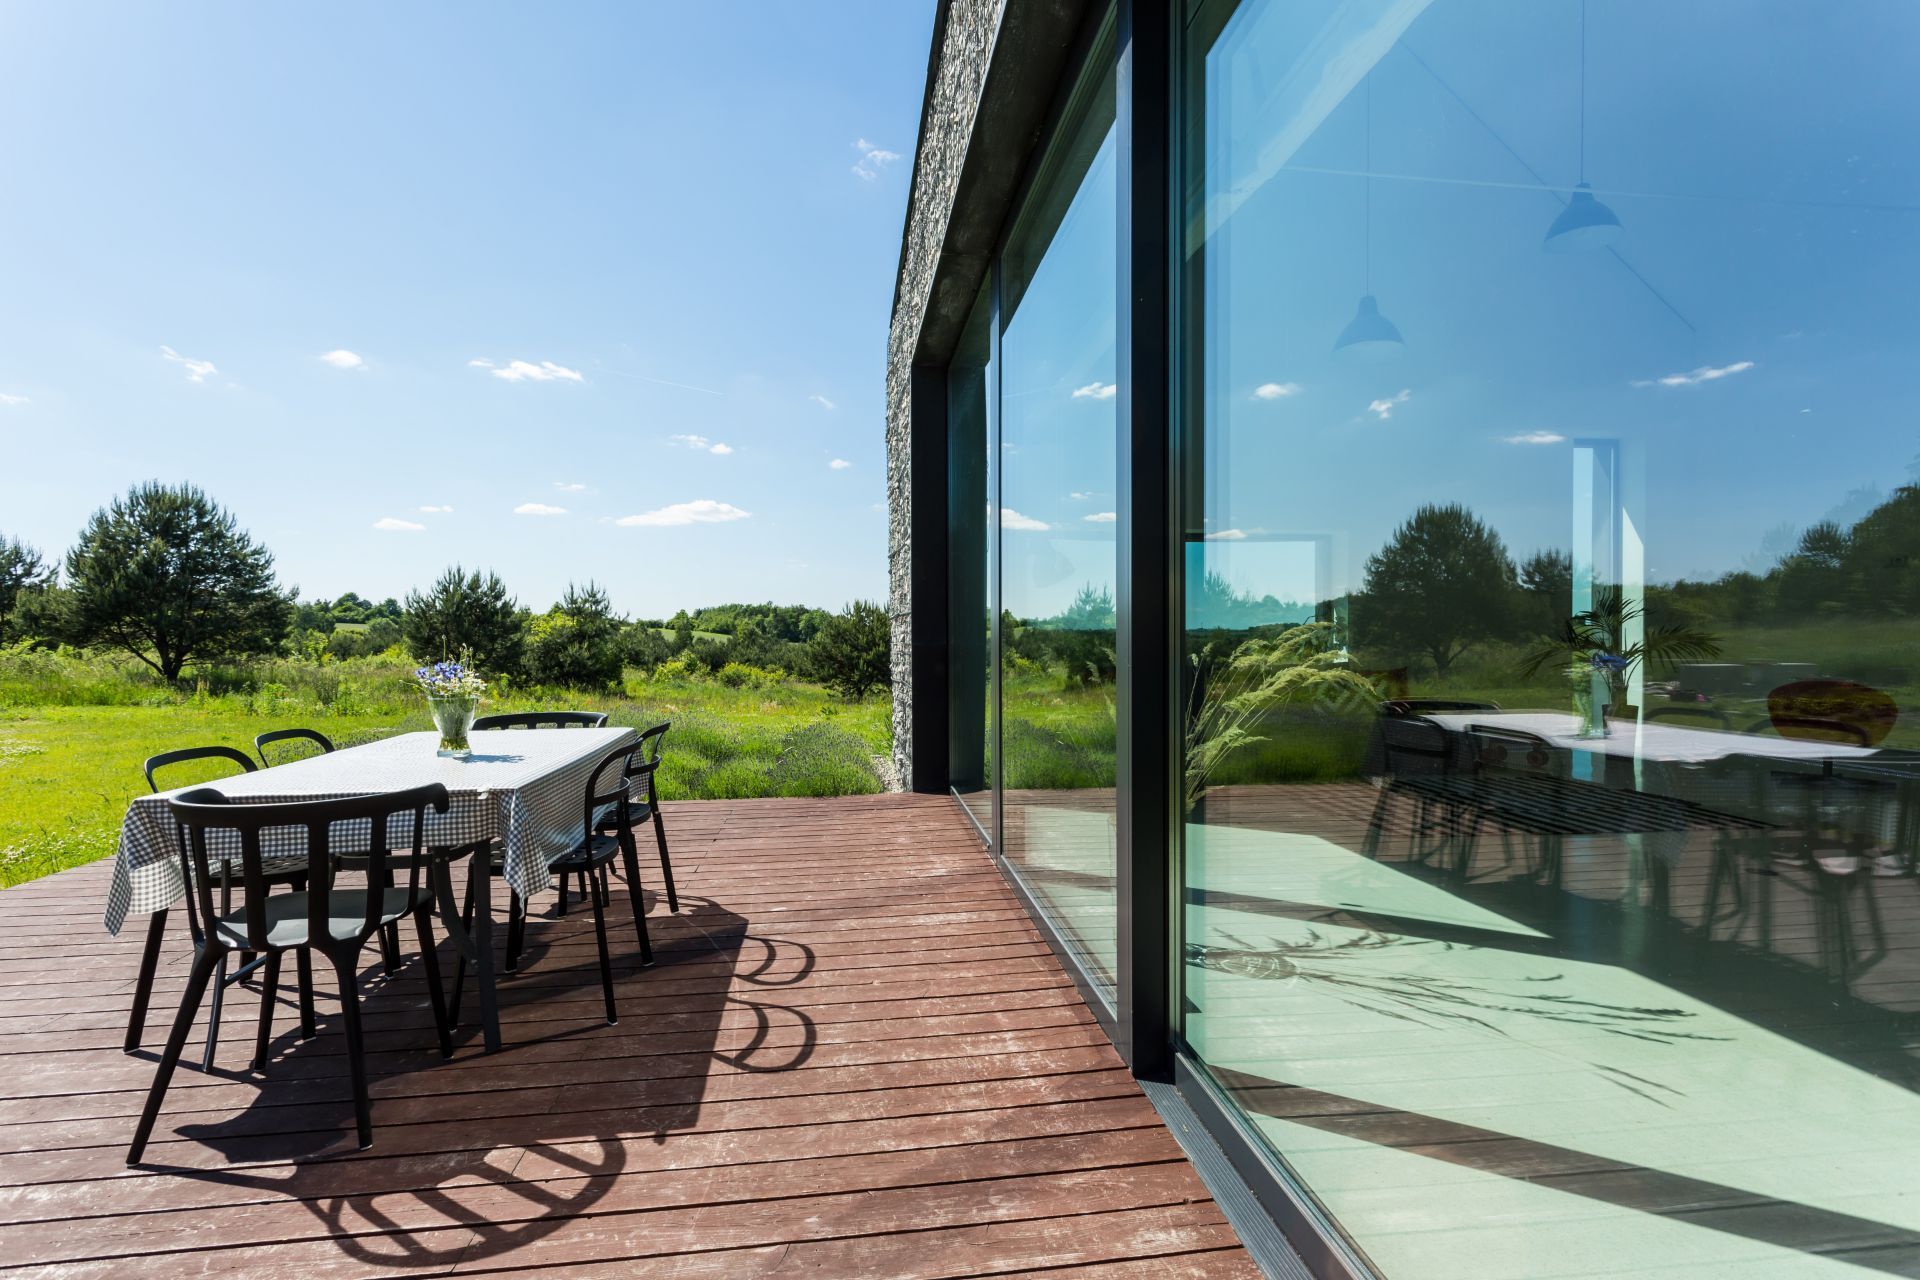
(1488, 1076)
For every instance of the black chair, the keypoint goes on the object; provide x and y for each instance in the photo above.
(1419, 760)
(262, 741)
(333, 921)
(289, 871)
(646, 765)
(544, 720)
(606, 834)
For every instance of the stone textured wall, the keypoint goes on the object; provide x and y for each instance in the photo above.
(945, 125)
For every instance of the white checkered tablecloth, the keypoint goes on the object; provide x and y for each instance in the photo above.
(522, 786)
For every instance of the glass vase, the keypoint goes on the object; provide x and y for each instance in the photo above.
(453, 717)
(1592, 699)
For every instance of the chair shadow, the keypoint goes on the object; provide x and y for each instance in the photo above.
(439, 1186)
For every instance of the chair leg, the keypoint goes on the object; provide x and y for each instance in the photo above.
(636, 898)
(344, 964)
(430, 961)
(516, 930)
(561, 910)
(205, 961)
(666, 864)
(213, 1014)
(460, 964)
(389, 935)
(606, 960)
(269, 992)
(143, 985)
(304, 962)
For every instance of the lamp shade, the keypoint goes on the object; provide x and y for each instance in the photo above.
(1369, 337)
(1584, 226)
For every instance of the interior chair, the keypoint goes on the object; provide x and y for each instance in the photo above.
(336, 922)
(606, 833)
(282, 870)
(543, 720)
(262, 741)
(1418, 760)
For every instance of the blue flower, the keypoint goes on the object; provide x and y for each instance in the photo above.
(1608, 662)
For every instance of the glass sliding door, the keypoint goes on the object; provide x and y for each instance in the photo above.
(1055, 526)
(970, 572)
(1552, 625)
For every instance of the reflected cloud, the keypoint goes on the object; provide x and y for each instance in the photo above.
(1705, 373)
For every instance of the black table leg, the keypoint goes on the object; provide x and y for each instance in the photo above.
(143, 986)
(480, 878)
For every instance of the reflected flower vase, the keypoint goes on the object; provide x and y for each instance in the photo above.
(453, 717)
(1592, 700)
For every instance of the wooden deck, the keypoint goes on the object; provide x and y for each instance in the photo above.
(854, 1058)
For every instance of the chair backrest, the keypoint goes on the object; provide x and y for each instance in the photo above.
(1498, 748)
(156, 763)
(199, 813)
(543, 720)
(262, 741)
(1411, 746)
(602, 792)
(646, 763)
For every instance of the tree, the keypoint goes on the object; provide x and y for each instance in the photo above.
(167, 575)
(578, 642)
(468, 613)
(22, 573)
(1442, 584)
(852, 653)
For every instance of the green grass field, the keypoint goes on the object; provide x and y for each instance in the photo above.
(74, 732)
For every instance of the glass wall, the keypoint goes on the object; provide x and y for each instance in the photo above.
(1552, 611)
(1056, 523)
(970, 571)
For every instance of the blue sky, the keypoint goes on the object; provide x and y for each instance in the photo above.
(346, 267)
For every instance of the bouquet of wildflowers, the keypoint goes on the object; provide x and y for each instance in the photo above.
(450, 680)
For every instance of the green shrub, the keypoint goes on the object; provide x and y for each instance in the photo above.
(823, 760)
(741, 675)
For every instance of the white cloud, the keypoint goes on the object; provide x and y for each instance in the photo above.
(6, 399)
(1101, 517)
(538, 509)
(197, 370)
(564, 487)
(343, 359)
(1080, 497)
(527, 371)
(722, 449)
(479, 362)
(839, 464)
(872, 159)
(1230, 535)
(392, 524)
(822, 401)
(699, 511)
(1705, 373)
(1276, 390)
(703, 444)
(1096, 391)
(1011, 519)
(437, 511)
(1385, 407)
(1536, 437)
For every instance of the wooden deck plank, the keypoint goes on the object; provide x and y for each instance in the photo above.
(854, 1057)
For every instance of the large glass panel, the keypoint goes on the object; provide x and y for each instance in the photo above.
(970, 567)
(1056, 521)
(1553, 625)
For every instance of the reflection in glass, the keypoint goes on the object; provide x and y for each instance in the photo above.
(1552, 773)
(1056, 522)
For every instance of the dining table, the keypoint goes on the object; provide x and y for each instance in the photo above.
(523, 789)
